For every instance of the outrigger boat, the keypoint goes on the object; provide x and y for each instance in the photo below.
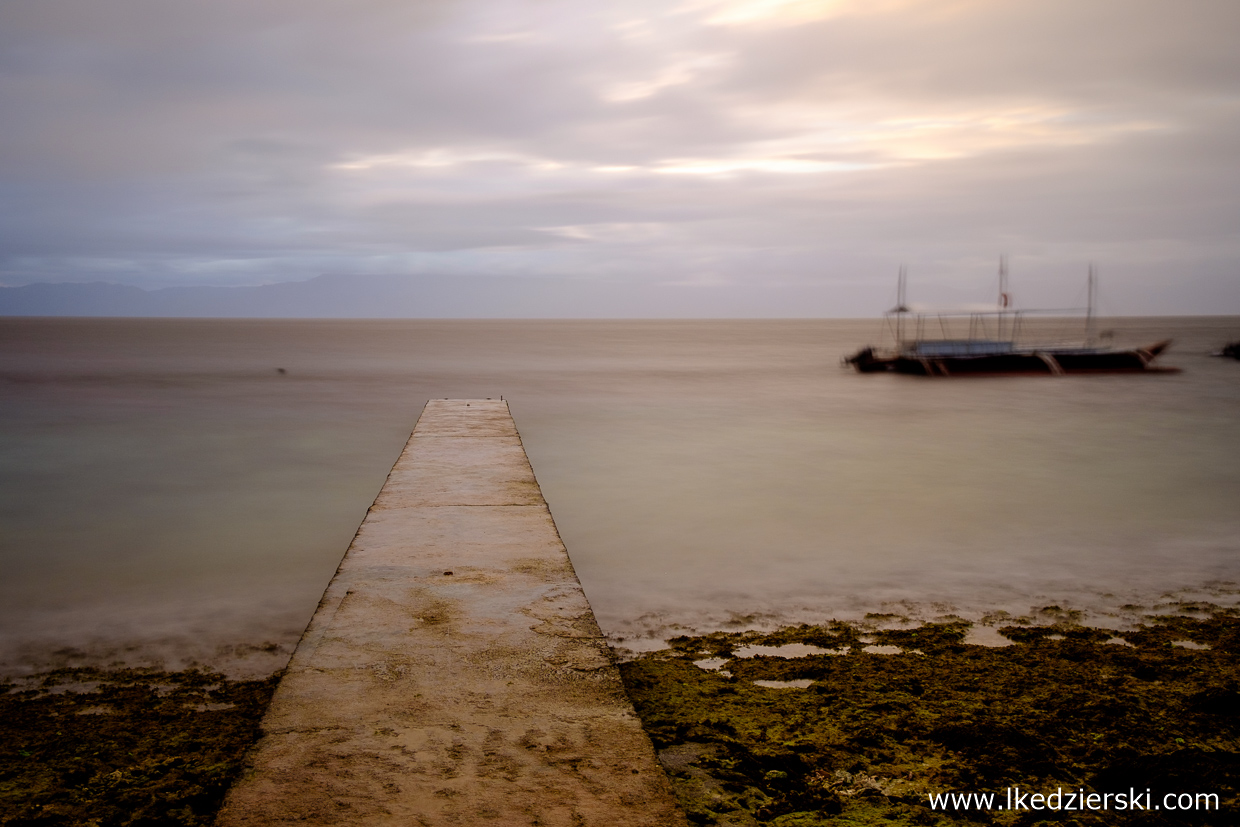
(993, 344)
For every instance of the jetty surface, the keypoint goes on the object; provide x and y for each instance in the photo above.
(454, 673)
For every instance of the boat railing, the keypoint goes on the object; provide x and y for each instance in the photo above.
(978, 332)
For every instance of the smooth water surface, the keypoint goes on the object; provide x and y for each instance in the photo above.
(166, 492)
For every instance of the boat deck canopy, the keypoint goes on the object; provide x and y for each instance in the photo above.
(937, 348)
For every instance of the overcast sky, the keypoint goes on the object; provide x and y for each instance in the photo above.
(726, 144)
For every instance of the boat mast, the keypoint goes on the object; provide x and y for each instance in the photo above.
(901, 307)
(1089, 311)
(1003, 292)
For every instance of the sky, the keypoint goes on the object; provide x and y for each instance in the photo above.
(801, 149)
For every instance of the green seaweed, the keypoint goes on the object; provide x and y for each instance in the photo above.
(876, 734)
(124, 746)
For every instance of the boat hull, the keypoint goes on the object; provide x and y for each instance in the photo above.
(1048, 362)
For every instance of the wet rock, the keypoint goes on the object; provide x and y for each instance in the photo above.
(877, 733)
(165, 752)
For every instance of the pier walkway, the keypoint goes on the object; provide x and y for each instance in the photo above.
(454, 673)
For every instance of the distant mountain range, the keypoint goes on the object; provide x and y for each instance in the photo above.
(440, 297)
(325, 296)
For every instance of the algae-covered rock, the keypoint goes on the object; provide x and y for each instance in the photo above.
(123, 747)
(890, 720)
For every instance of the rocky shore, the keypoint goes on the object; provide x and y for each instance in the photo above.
(866, 723)
(846, 723)
(112, 747)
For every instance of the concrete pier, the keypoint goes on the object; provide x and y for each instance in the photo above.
(454, 673)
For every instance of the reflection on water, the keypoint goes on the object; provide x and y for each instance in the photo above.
(167, 491)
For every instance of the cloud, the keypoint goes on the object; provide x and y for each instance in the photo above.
(733, 141)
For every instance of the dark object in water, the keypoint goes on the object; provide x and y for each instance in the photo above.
(992, 344)
(1231, 350)
(867, 361)
(956, 357)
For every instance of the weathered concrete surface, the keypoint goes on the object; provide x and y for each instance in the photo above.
(483, 696)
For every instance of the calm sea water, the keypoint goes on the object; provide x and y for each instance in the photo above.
(166, 494)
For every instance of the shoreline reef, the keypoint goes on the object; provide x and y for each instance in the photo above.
(124, 746)
(841, 723)
(866, 723)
